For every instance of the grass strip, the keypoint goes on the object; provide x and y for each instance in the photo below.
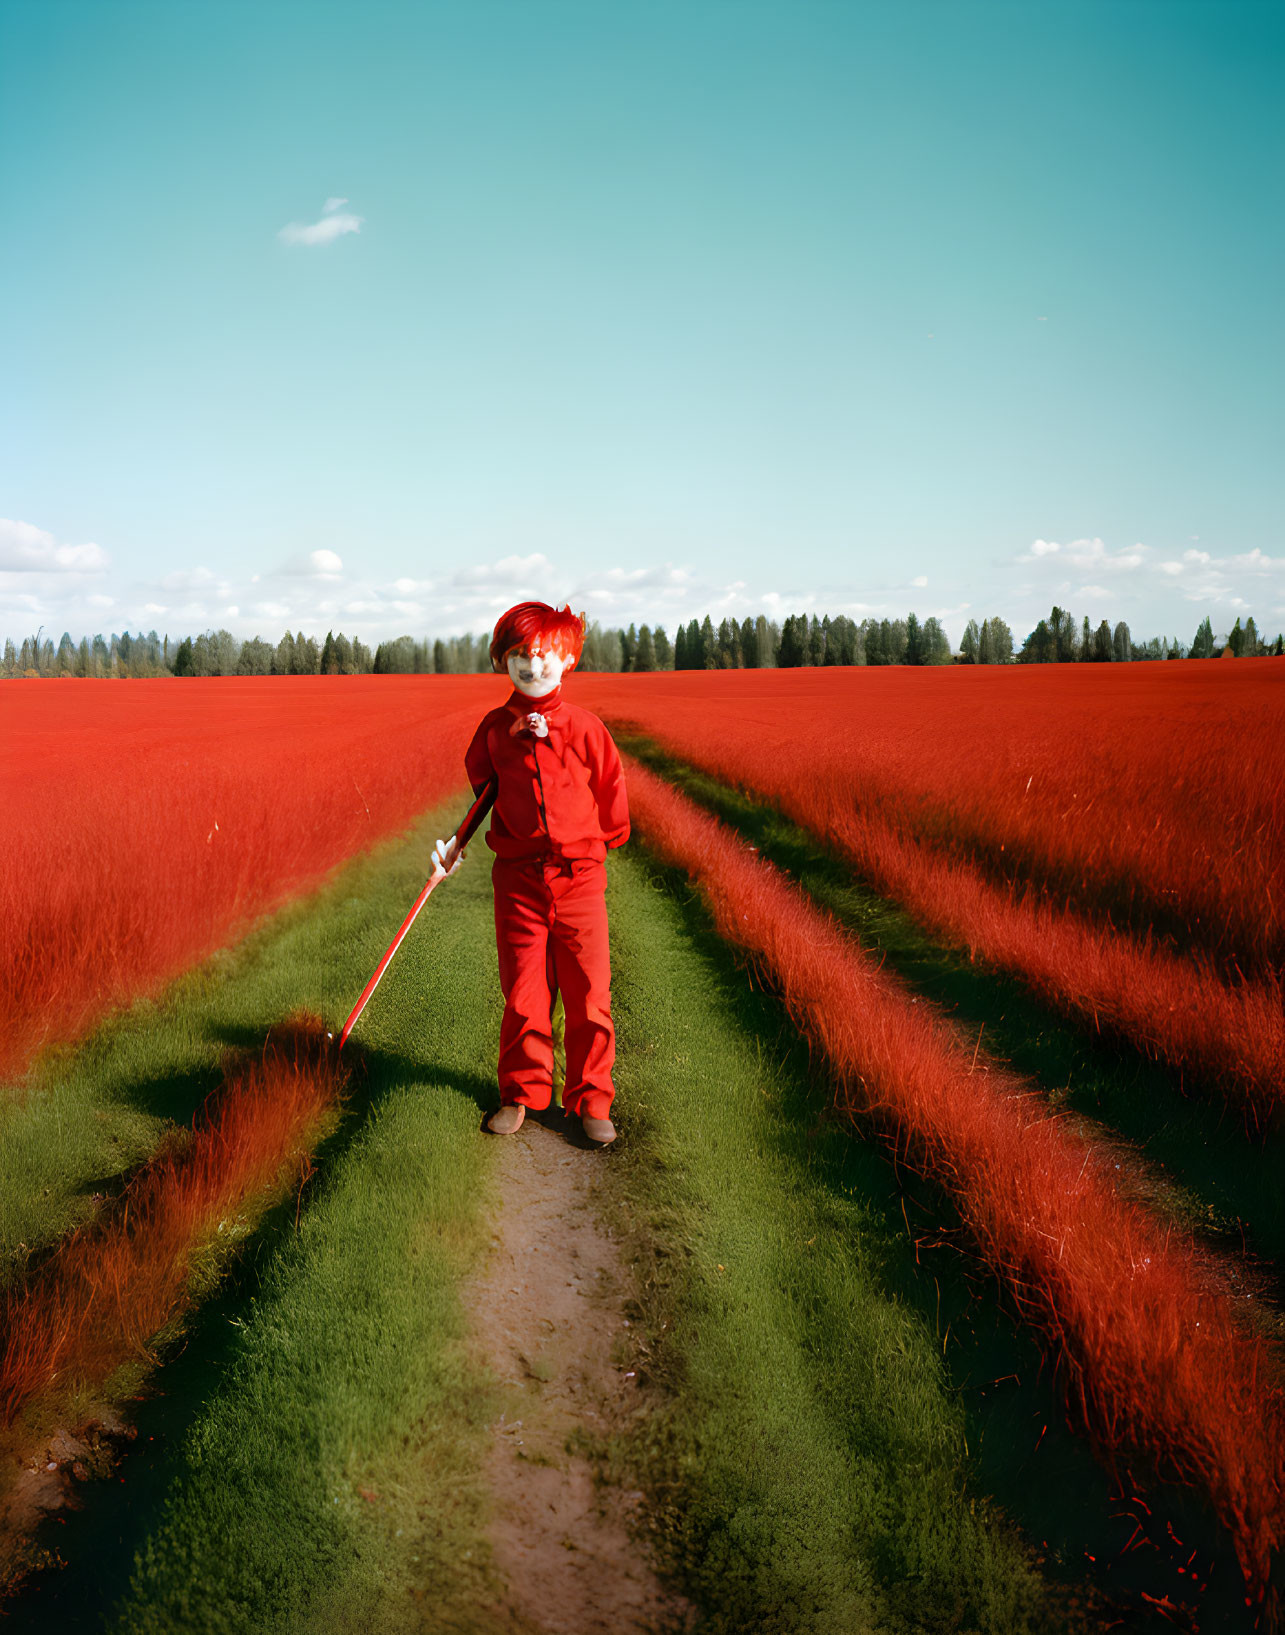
(1153, 1359)
(331, 1480)
(112, 1287)
(805, 1455)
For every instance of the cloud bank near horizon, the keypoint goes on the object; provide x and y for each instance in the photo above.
(78, 587)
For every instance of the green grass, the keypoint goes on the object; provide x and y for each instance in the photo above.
(807, 1467)
(335, 1360)
(89, 1114)
(817, 1457)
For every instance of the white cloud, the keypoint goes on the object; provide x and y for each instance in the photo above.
(920, 580)
(1087, 555)
(327, 565)
(25, 548)
(334, 223)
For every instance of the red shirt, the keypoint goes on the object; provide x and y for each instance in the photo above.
(562, 796)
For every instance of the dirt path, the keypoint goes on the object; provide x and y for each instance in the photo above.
(548, 1316)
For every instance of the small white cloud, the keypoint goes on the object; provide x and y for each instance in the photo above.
(321, 564)
(155, 607)
(334, 223)
(920, 580)
(1039, 548)
(1171, 568)
(101, 601)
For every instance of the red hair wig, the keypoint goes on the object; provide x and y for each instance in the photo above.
(563, 631)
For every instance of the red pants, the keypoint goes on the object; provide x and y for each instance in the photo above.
(551, 933)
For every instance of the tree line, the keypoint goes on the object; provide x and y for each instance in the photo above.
(751, 644)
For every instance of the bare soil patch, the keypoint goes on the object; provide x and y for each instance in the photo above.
(549, 1319)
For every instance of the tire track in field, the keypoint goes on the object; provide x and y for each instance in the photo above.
(547, 1310)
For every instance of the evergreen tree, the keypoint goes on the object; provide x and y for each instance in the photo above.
(914, 644)
(791, 655)
(183, 658)
(1252, 646)
(680, 648)
(708, 644)
(1203, 646)
(970, 644)
(816, 642)
(664, 652)
(1103, 644)
(1122, 643)
(749, 645)
(645, 652)
(1040, 647)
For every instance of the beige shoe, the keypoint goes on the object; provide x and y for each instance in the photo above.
(601, 1130)
(507, 1120)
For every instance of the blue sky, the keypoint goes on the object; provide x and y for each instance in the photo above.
(383, 316)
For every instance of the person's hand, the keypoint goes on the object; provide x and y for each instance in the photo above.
(447, 856)
(537, 724)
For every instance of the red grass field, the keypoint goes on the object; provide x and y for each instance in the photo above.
(112, 1286)
(147, 823)
(1151, 1351)
(1113, 835)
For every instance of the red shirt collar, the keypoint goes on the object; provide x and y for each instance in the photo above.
(520, 704)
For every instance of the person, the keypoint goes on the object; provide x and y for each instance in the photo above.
(560, 806)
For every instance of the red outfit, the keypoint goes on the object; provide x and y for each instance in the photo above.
(560, 807)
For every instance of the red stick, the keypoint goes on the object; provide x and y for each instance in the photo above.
(480, 807)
